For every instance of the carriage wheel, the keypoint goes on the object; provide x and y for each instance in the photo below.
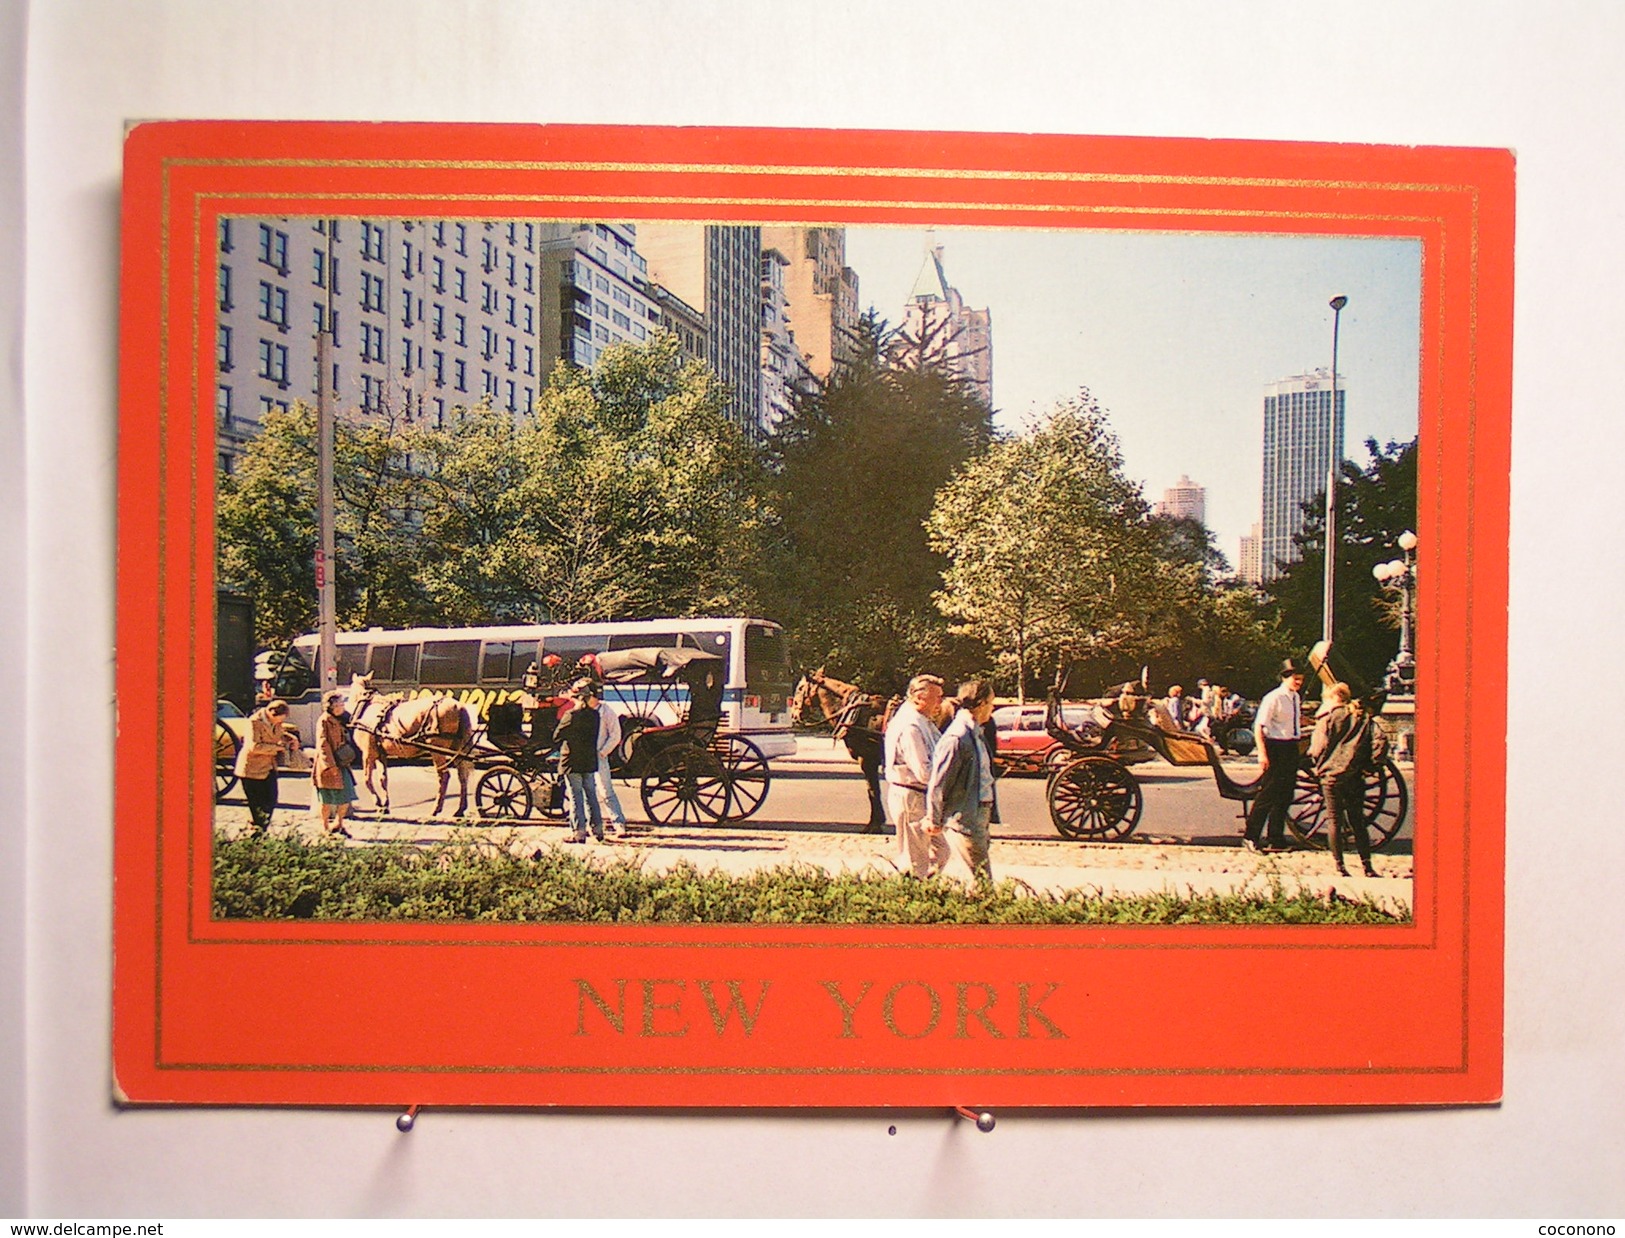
(1240, 740)
(1386, 802)
(1094, 799)
(502, 792)
(225, 761)
(745, 769)
(684, 785)
(551, 794)
(1057, 758)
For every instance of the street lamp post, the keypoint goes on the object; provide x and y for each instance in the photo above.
(1333, 463)
(1400, 574)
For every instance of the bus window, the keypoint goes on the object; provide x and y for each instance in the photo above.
(449, 663)
(767, 665)
(406, 664)
(381, 665)
(711, 642)
(497, 662)
(295, 676)
(351, 661)
(524, 653)
(570, 648)
(645, 640)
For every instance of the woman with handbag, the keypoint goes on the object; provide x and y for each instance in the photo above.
(335, 785)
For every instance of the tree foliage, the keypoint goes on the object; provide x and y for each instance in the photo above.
(1375, 504)
(858, 467)
(1054, 558)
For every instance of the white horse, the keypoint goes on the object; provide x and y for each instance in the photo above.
(394, 726)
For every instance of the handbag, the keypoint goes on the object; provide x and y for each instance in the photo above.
(347, 754)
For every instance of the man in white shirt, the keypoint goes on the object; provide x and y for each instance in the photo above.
(911, 739)
(1277, 729)
(609, 739)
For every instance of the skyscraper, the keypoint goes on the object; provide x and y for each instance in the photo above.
(1248, 567)
(1184, 500)
(821, 289)
(1302, 437)
(938, 328)
(717, 270)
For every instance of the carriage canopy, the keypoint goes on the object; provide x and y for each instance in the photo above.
(702, 672)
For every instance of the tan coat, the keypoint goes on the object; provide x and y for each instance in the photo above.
(257, 758)
(327, 772)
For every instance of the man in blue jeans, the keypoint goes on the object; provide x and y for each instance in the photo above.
(578, 733)
(609, 739)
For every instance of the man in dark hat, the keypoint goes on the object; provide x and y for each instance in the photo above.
(1277, 729)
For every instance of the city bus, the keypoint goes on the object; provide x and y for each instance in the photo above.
(482, 666)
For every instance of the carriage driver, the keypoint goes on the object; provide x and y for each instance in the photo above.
(911, 738)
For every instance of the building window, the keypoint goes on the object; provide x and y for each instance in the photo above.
(222, 405)
(513, 234)
(322, 264)
(489, 383)
(223, 288)
(530, 238)
(512, 268)
(512, 398)
(601, 308)
(488, 344)
(460, 277)
(439, 324)
(488, 256)
(222, 349)
(600, 332)
(439, 413)
(461, 373)
(513, 351)
(530, 277)
(530, 360)
(274, 248)
(372, 242)
(440, 234)
(269, 406)
(225, 236)
(461, 334)
(530, 399)
(274, 305)
(530, 320)
(372, 292)
(639, 332)
(406, 355)
(439, 368)
(622, 321)
(462, 239)
(406, 308)
(601, 283)
(439, 281)
(372, 342)
(406, 259)
(623, 296)
(274, 363)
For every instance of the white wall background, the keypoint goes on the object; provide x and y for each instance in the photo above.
(1541, 79)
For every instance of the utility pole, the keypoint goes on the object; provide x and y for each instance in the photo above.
(326, 609)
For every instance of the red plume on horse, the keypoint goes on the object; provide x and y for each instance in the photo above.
(400, 728)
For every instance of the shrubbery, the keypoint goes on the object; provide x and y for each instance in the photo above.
(277, 878)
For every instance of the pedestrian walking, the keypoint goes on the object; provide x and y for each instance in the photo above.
(609, 739)
(577, 732)
(911, 738)
(959, 795)
(1342, 750)
(335, 784)
(1277, 728)
(268, 739)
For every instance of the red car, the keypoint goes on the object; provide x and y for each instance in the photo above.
(1025, 747)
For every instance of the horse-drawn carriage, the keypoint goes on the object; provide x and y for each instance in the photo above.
(1094, 797)
(688, 773)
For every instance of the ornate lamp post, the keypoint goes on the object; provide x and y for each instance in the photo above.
(1400, 575)
(1333, 464)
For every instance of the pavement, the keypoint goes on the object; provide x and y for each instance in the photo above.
(1142, 864)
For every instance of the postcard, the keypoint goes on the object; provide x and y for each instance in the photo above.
(724, 617)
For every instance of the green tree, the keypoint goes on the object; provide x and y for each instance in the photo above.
(1375, 504)
(857, 469)
(627, 493)
(266, 524)
(1050, 551)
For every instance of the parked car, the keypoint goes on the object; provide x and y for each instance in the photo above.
(1025, 747)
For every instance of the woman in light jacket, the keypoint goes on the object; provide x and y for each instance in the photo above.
(335, 785)
(268, 737)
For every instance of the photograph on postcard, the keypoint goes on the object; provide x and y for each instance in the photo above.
(770, 492)
(781, 608)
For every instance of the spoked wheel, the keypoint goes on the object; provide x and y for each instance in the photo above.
(1094, 799)
(1386, 802)
(685, 785)
(503, 792)
(550, 795)
(744, 767)
(225, 761)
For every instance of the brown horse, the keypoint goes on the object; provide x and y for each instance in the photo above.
(400, 728)
(856, 718)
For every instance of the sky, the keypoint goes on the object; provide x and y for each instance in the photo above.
(1176, 335)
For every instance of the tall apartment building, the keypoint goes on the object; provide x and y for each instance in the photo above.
(716, 269)
(785, 373)
(822, 292)
(1303, 435)
(1184, 500)
(427, 316)
(595, 292)
(1249, 566)
(939, 322)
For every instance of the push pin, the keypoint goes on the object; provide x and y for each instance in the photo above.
(409, 1119)
(984, 1119)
